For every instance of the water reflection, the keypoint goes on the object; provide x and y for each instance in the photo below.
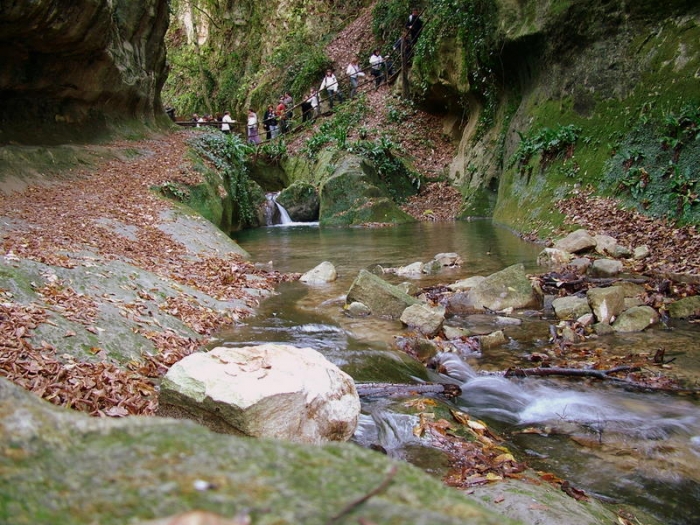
(637, 448)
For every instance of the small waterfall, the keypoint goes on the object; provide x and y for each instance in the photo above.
(275, 214)
(284, 216)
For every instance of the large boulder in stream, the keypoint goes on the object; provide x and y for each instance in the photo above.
(509, 288)
(270, 390)
(355, 194)
(380, 296)
(63, 467)
(301, 201)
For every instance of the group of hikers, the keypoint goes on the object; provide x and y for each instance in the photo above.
(277, 118)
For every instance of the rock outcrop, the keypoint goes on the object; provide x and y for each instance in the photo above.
(73, 69)
(60, 466)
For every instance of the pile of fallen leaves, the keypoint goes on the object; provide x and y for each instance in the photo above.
(672, 249)
(63, 224)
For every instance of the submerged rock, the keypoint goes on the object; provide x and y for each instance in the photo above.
(380, 296)
(323, 273)
(426, 320)
(509, 288)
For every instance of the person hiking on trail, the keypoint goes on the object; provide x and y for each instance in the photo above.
(282, 116)
(306, 109)
(330, 84)
(354, 72)
(315, 103)
(253, 137)
(414, 25)
(270, 123)
(376, 62)
(226, 123)
(289, 102)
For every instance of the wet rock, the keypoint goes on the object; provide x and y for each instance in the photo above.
(301, 201)
(492, 340)
(455, 332)
(508, 321)
(635, 319)
(466, 284)
(684, 308)
(323, 273)
(421, 317)
(509, 288)
(357, 309)
(575, 242)
(606, 303)
(554, 257)
(356, 194)
(460, 303)
(570, 307)
(277, 391)
(580, 265)
(61, 466)
(602, 329)
(409, 287)
(419, 347)
(415, 268)
(448, 259)
(605, 268)
(380, 296)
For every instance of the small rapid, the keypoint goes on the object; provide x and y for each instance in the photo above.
(641, 449)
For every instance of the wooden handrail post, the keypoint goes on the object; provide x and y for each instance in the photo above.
(404, 69)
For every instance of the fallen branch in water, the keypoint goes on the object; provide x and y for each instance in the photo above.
(599, 374)
(571, 372)
(401, 389)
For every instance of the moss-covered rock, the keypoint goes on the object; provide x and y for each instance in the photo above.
(354, 194)
(60, 466)
(301, 200)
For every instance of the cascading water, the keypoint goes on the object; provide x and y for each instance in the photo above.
(275, 214)
(628, 447)
(284, 216)
(640, 449)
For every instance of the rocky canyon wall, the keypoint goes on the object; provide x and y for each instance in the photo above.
(72, 69)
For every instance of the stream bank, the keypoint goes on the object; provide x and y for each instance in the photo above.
(105, 283)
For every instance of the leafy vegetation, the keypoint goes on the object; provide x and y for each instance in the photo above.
(228, 154)
(548, 143)
(655, 169)
(471, 23)
(382, 152)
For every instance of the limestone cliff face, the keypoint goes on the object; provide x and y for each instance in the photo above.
(604, 66)
(70, 69)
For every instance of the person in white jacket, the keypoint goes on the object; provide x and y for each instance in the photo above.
(376, 62)
(253, 136)
(354, 73)
(330, 84)
(226, 123)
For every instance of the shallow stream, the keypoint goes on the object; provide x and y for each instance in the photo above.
(625, 447)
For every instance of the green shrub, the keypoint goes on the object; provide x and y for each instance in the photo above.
(656, 166)
(229, 154)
